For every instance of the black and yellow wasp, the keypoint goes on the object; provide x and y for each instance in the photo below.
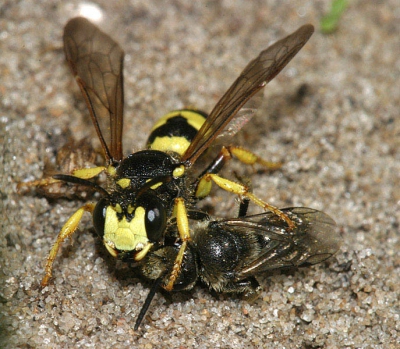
(147, 214)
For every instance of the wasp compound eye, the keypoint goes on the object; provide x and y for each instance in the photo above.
(99, 216)
(155, 216)
(155, 219)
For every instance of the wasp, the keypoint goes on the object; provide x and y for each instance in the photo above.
(148, 213)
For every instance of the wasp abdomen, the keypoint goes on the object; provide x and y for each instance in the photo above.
(176, 130)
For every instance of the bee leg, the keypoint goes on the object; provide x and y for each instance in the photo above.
(244, 205)
(252, 291)
(66, 231)
(249, 288)
(184, 234)
(243, 191)
(146, 305)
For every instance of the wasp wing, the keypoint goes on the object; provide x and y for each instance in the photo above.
(312, 241)
(96, 61)
(236, 124)
(255, 76)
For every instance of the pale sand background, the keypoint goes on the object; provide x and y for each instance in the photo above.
(340, 146)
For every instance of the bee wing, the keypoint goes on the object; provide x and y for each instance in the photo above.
(96, 61)
(312, 241)
(255, 76)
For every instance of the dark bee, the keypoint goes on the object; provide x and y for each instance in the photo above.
(144, 213)
(227, 254)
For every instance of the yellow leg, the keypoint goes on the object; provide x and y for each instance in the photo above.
(242, 190)
(84, 173)
(184, 233)
(67, 230)
(88, 173)
(249, 158)
(245, 156)
(37, 183)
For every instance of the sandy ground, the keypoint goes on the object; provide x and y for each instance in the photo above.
(339, 143)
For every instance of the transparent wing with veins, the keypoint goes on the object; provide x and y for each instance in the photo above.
(96, 61)
(255, 76)
(241, 118)
(313, 240)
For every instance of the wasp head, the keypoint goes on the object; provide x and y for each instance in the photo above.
(129, 228)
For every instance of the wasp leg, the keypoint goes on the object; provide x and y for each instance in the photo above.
(243, 155)
(88, 173)
(184, 234)
(244, 202)
(66, 231)
(22, 186)
(83, 173)
(249, 158)
(241, 190)
(226, 153)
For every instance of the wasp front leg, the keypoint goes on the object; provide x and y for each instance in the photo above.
(184, 234)
(22, 187)
(67, 230)
(69, 186)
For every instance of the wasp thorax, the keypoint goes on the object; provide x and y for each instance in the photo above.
(139, 168)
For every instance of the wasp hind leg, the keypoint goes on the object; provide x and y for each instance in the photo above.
(204, 181)
(249, 158)
(66, 231)
(243, 191)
